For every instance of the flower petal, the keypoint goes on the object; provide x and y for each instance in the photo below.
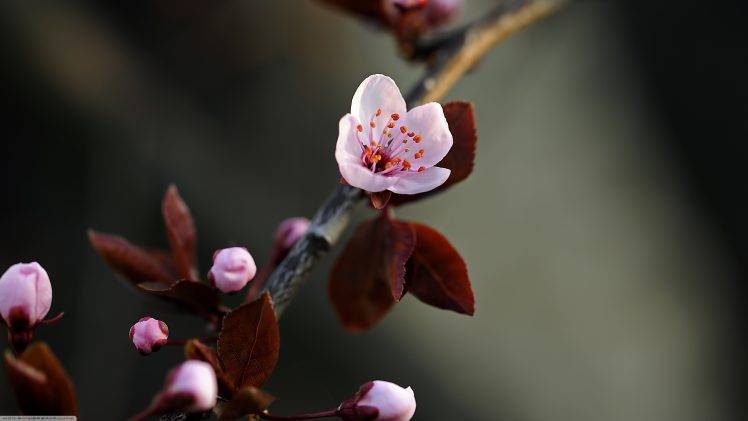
(375, 92)
(358, 176)
(428, 122)
(347, 149)
(419, 182)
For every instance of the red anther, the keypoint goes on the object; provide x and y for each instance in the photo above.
(411, 134)
(417, 139)
(395, 116)
(421, 169)
(391, 124)
(406, 165)
(403, 129)
(379, 112)
(360, 128)
(372, 124)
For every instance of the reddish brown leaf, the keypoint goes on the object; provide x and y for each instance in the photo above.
(180, 230)
(134, 263)
(41, 385)
(249, 342)
(460, 158)
(249, 400)
(438, 275)
(196, 297)
(196, 350)
(367, 278)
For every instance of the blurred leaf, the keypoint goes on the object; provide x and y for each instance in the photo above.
(196, 350)
(367, 278)
(437, 274)
(134, 263)
(197, 297)
(249, 342)
(41, 385)
(460, 157)
(180, 230)
(248, 400)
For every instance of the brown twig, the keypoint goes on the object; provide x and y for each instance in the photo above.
(450, 60)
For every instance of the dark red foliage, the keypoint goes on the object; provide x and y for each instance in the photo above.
(180, 231)
(368, 277)
(195, 297)
(460, 158)
(437, 274)
(171, 276)
(41, 385)
(132, 262)
(249, 342)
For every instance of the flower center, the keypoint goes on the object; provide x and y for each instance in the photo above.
(394, 150)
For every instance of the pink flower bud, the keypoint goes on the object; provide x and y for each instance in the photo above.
(25, 296)
(379, 401)
(232, 269)
(194, 381)
(149, 335)
(289, 231)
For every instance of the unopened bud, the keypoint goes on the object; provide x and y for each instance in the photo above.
(149, 335)
(194, 381)
(232, 269)
(25, 298)
(289, 231)
(379, 401)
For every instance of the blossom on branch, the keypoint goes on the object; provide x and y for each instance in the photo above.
(25, 299)
(382, 146)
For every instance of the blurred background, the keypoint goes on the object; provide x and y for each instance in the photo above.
(603, 226)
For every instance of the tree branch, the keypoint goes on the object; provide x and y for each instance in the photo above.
(451, 59)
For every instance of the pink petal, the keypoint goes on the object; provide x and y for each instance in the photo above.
(377, 92)
(428, 122)
(419, 182)
(358, 176)
(347, 148)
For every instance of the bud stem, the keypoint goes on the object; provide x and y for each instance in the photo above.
(309, 416)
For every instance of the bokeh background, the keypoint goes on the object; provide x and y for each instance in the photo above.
(604, 226)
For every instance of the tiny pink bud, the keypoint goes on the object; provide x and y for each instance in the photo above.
(25, 296)
(379, 401)
(149, 335)
(196, 381)
(232, 269)
(289, 231)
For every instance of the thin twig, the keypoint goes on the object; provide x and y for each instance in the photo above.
(450, 62)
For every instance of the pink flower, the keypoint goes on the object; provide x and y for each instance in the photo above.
(25, 296)
(196, 381)
(232, 269)
(382, 146)
(149, 335)
(379, 401)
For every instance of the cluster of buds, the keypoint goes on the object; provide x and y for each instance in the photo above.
(25, 299)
